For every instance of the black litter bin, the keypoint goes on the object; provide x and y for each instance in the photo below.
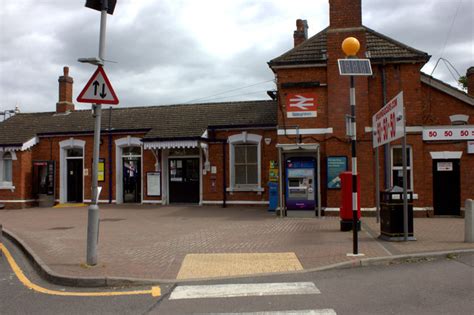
(391, 216)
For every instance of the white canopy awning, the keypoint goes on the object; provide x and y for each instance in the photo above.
(171, 144)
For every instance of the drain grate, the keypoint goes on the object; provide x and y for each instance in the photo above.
(60, 228)
(111, 220)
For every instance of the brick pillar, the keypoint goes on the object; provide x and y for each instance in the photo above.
(470, 81)
(65, 103)
(346, 21)
(345, 13)
(301, 33)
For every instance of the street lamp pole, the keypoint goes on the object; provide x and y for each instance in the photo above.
(351, 46)
(93, 213)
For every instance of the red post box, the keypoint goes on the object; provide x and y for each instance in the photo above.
(345, 212)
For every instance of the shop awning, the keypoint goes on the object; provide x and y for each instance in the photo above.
(171, 144)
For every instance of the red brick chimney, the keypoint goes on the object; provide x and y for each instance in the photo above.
(301, 33)
(345, 13)
(470, 81)
(65, 103)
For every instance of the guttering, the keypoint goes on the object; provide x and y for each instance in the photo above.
(113, 131)
(172, 139)
(297, 65)
(231, 127)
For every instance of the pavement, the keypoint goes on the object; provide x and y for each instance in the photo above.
(152, 244)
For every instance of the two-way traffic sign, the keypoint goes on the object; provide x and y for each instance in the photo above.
(98, 90)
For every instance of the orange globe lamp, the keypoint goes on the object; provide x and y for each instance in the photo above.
(350, 46)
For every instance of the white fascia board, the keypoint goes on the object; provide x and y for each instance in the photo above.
(445, 155)
(29, 144)
(309, 131)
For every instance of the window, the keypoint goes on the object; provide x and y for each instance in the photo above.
(245, 162)
(397, 167)
(6, 169)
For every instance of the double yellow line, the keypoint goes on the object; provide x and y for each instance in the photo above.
(154, 291)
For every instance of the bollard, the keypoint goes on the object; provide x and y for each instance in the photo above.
(469, 221)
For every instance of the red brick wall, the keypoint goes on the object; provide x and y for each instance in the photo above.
(213, 183)
(344, 13)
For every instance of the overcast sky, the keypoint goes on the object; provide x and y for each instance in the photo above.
(180, 51)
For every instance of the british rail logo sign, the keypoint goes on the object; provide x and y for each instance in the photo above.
(301, 105)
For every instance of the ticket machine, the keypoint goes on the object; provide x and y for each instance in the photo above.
(300, 183)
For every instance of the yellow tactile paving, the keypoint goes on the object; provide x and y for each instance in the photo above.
(235, 264)
(70, 205)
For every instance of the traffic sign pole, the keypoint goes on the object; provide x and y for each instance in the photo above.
(93, 213)
(405, 201)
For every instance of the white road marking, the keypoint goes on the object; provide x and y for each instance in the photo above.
(326, 311)
(246, 289)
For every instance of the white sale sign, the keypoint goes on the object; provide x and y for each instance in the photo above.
(388, 123)
(465, 132)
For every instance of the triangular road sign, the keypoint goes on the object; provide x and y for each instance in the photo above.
(98, 90)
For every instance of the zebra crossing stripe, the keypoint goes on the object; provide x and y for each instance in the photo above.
(246, 289)
(326, 311)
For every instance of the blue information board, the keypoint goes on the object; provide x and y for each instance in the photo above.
(335, 166)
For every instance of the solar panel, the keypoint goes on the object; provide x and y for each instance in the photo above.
(354, 67)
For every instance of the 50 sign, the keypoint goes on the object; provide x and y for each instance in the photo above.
(448, 133)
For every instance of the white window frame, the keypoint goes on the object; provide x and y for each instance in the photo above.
(245, 138)
(400, 168)
(3, 183)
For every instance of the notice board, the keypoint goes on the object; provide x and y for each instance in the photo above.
(153, 184)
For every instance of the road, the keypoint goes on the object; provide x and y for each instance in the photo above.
(441, 286)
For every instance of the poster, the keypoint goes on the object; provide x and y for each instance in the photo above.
(153, 183)
(101, 170)
(335, 166)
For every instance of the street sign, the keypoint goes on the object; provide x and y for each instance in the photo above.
(354, 67)
(388, 123)
(98, 90)
(439, 133)
(97, 5)
(301, 105)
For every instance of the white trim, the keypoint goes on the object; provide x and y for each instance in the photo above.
(235, 202)
(65, 145)
(152, 202)
(29, 144)
(170, 144)
(244, 138)
(121, 143)
(459, 118)
(309, 131)
(445, 155)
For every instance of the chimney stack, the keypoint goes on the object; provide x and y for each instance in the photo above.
(301, 33)
(64, 103)
(345, 13)
(470, 81)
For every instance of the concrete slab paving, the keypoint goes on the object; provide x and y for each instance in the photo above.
(151, 242)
